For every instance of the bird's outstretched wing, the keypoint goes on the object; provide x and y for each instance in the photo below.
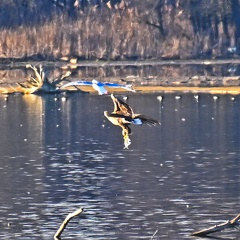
(116, 85)
(98, 86)
(121, 107)
(77, 83)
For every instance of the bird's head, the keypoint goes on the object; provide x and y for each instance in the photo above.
(94, 81)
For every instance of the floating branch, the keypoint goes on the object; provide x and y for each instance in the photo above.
(217, 228)
(35, 83)
(66, 221)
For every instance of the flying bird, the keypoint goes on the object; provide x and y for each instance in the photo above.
(123, 116)
(99, 86)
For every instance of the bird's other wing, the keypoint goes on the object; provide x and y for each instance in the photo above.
(142, 119)
(77, 83)
(129, 88)
(121, 107)
(116, 85)
(112, 85)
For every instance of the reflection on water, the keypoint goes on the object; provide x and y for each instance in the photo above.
(145, 72)
(57, 156)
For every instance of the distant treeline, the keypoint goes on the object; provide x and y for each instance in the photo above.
(119, 29)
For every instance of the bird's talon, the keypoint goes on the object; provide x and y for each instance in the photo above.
(126, 137)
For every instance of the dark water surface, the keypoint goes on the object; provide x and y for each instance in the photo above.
(57, 156)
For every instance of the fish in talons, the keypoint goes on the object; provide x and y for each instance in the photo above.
(127, 141)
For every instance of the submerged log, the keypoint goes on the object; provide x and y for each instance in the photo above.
(66, 221)
(217, 228)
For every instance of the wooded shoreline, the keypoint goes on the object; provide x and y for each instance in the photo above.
(138, 30)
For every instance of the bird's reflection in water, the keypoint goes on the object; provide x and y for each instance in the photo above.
(123, 116)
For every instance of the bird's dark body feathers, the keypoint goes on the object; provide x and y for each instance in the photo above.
(123, 116)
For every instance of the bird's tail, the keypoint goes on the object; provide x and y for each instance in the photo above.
(142, 119)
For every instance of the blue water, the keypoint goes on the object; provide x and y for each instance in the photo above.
(176, 178)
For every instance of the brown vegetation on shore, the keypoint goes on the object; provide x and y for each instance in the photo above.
(139, 30)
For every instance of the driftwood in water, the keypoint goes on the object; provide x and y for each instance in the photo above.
(66, 221)
(35, 83)
(217, 228)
